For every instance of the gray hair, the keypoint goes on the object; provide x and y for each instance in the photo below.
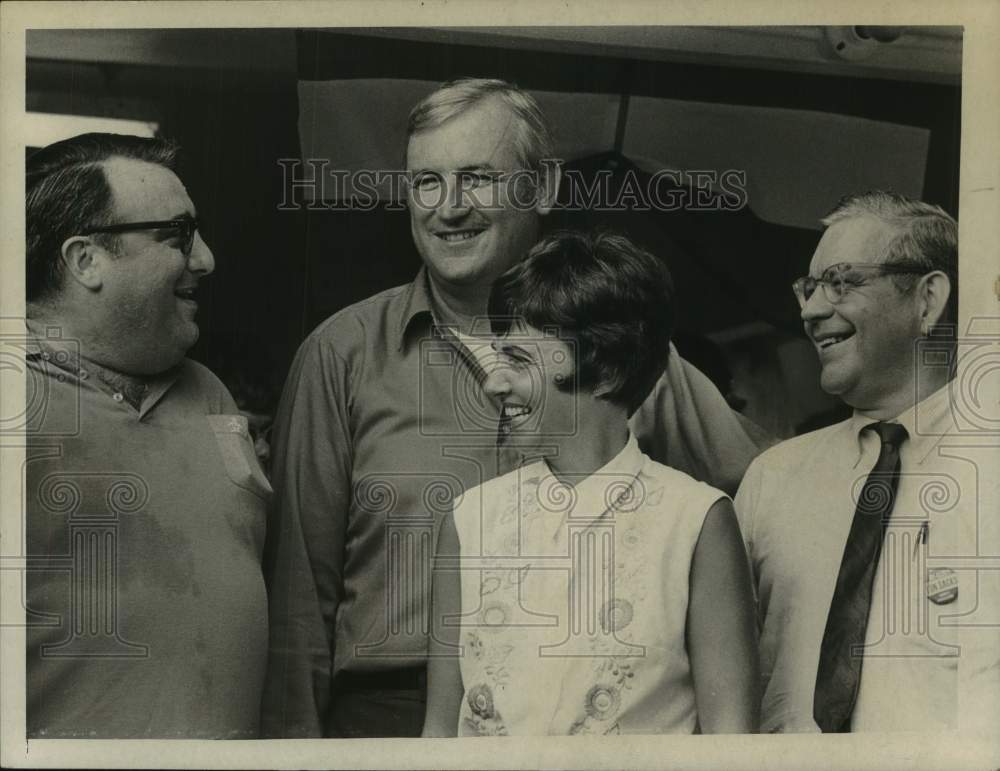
(925, 235)
(534, 140)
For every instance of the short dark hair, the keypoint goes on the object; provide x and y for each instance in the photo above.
(926, 235)
(612, 298)
(66, 191)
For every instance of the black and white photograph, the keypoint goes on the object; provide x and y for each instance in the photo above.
(385, 375)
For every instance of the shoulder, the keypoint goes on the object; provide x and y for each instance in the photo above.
(381, 311)
(789, 466)
(675, 503)
(195, 378)
(679, 485)
(199, 376)
(495, 492)
(801, 450)
(673, 509)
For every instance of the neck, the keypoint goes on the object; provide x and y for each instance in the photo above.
(458, 306)
(71, 331)
(86, 338)
(895, 404)
(590, 449)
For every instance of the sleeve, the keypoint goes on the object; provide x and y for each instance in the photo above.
(686, 423)
(979, 637)
(979, 661)
(304, 555)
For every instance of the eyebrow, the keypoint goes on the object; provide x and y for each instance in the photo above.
(514, 348)
(469, 167)
(184, 215)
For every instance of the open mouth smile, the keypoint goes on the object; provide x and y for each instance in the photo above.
(509, 413)
(826, 342)
(458, 236)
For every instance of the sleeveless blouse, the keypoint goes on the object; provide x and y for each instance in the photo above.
(575, 599)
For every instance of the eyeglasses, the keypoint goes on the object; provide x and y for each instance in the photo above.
(839, 279)
(480, 188)
(186, 227)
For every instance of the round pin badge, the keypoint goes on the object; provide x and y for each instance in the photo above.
(942, 585)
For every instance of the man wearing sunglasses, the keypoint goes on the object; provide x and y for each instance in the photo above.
(858, 533)
(145, 505)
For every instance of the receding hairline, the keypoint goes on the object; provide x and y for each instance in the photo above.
(512, 129)
(879, 231)
(123, 161)
(902, 223)
(531, 139)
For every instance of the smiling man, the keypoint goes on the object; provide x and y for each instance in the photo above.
(145, 505)
(857, 550)
(384, 420)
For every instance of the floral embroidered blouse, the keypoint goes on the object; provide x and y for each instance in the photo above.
(574, 600)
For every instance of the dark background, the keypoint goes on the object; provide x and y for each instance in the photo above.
(230, 98)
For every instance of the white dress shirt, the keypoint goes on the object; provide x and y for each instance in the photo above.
(933, 636)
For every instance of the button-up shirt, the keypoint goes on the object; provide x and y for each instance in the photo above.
(796, 505)
(383, 421)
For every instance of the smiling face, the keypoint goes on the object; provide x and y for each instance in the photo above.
(147, 288)
(525, 379)
(866, 342)
(469, 223)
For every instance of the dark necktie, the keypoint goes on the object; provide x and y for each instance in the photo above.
(841, 656)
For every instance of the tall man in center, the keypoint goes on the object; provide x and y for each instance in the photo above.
(384, 421)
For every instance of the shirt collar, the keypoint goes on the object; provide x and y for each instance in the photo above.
(926, 423)
(610, 484)
(45, 341)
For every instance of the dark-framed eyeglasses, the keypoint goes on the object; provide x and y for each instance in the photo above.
(186, 227)
(839, 279)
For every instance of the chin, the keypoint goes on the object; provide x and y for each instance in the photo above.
(188, 336)
(835, 381)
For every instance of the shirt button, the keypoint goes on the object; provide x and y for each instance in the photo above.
(118, 397)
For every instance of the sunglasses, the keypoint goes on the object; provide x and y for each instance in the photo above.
(186, 227)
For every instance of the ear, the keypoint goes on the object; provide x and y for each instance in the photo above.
(933, 292)
(84, 261)
(548, 188)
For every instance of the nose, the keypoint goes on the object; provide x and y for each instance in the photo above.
(456, 201)
(816, 307)
(497, 384)
(201, 261)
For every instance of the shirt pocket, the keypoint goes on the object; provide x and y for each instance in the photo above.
(232, 435)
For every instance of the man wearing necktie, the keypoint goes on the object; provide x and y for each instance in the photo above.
(858, 533)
